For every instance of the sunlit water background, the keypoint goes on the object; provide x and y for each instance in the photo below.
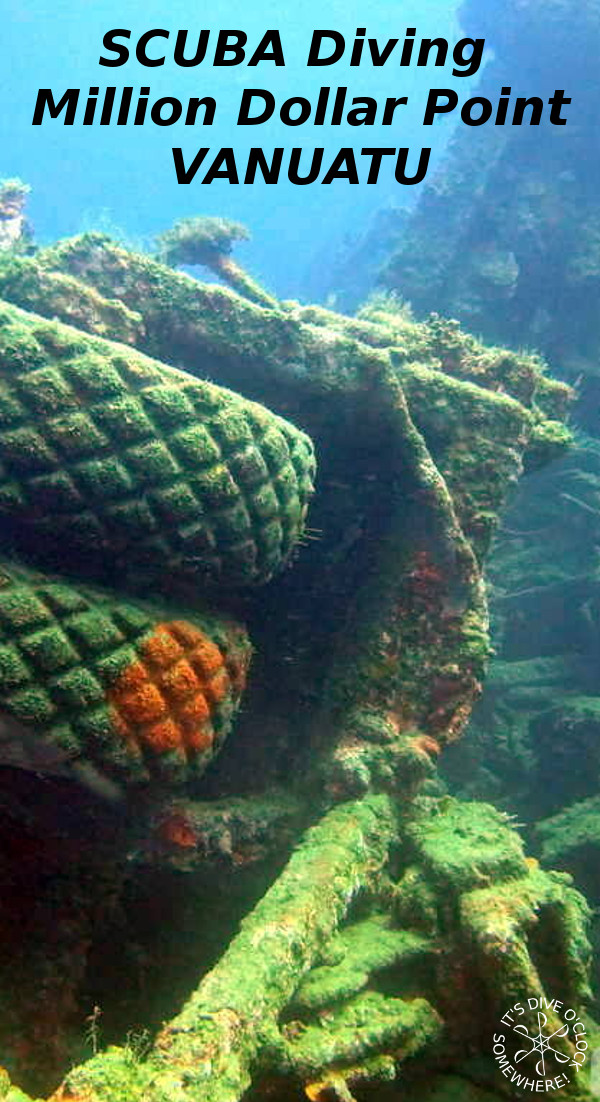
(123, 179)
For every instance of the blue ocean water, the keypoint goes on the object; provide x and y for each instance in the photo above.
(111, 177)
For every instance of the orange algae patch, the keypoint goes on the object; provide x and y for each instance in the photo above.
(218, 687)
(180, 680)
(200, 739)
(163, 736)
(167, 699)
(143, 705)
(161, 650)
(427, 745)
(133, 677)
(195, 711)
(177, 831)
(207, 659)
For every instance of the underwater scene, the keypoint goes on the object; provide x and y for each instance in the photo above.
(300, 551)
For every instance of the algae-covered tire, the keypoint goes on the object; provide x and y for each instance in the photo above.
(140, 694)
(115, 458)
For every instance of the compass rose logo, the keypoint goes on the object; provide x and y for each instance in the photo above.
(547, 1056)
(541, 1042)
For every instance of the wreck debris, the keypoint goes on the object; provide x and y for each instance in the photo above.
(367, 662)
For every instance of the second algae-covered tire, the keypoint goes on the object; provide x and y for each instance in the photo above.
(112, 455)
(140, 693)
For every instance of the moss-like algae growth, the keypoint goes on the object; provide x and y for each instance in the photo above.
(384, 932)
(208, 241)
(353, 957)
(207, 1051)
(364, 1026)
(129, 459)
(34, 288)
(289, 338)
(467, 845)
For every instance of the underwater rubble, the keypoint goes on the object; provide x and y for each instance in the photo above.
(306, 915)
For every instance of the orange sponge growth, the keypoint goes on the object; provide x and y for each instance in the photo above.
(179, 694)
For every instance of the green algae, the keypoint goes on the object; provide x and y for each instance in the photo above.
(300, 347)
(62, 414)
(207, 1051)
(208, 242)
(571, 839)
(353, 956)
(152, 290)
(467, 845)
(30, 286)
(453, 422)
(365, 1025)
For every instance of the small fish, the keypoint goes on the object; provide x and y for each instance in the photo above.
(22, 748)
